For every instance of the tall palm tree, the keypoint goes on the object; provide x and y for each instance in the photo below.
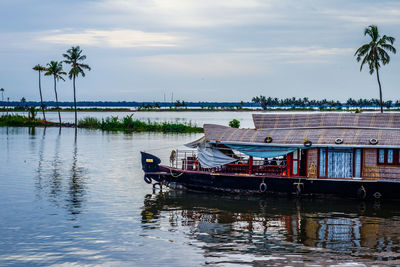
(375, 52)
(74, 58)
(55, 68)
(40, 68)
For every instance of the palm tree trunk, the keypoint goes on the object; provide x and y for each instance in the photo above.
(380, 90)
(76, 114)
(58, 108)
(41, 98)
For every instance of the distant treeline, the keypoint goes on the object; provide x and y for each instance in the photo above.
(259, 101)
(268, 102)
(178, 103)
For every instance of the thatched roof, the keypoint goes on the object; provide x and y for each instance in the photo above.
(295, 136)
(326, 120)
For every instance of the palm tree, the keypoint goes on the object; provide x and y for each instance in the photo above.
(74, 57)
(40, 68)
(55, 68)
(374, 53)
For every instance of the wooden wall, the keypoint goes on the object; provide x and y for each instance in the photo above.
(372, 171)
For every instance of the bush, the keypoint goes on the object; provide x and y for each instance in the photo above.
(234, 123)
(89, 122)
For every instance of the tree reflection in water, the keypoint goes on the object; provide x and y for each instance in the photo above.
(39, 170)
(258, 226)
(62, 181)
(56, 177)
(76, 191)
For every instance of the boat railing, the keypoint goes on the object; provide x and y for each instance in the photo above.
(184, 159)
(187, 160)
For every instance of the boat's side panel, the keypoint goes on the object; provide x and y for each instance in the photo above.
(297, 186)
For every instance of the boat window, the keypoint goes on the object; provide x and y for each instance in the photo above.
(381, 157)
(322, 162)
(390, 156)
(295, 167)
(357, 163)
(340, 163)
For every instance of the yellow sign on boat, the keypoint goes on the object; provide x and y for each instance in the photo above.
(149, 160)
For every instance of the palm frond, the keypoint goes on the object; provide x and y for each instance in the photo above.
(73, 57)
(363, 62)
(390, 39)
(39, 67)
(384, 57)
(362, 50)
(55, 68)
(368, 31)
(389, 48)
(84, 66)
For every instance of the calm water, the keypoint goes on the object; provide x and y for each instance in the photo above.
(83, 201)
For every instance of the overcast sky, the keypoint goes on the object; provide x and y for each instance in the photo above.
(201, 50)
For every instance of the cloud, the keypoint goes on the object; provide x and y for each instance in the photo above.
(121, 38)
(206, 64)
(387, 14)
(297, 51)
(241, 61)
(190, 13)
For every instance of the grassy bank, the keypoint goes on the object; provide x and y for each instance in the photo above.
(129, 124)
(23, 121)
(126, 124)
(52, 109)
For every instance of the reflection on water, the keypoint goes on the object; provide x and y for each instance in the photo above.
(55, 182)
(76, 192)
(63, 189)
(320, 228)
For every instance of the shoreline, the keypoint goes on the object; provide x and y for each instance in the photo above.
(126, 124)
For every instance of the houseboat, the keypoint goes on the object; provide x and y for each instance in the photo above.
(317, 154)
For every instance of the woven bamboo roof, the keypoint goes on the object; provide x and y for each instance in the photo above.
(321, 120)
(295, 136)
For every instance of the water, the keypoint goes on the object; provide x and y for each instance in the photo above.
(83, 201)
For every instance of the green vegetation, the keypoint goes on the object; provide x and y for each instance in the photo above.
(374, 53)
(18, 120)
(234, 123)
(127, 124)
(323, 105)
(51, 109)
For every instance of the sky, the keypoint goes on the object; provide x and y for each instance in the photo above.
(197, 50)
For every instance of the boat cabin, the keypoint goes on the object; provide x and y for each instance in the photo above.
(364, 146)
